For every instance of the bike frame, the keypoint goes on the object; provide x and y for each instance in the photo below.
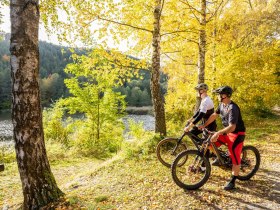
(205, 146)
(193, 137)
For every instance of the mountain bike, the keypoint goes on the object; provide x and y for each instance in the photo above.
(187, 172)
(168, 148)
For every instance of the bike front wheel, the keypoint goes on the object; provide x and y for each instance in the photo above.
(250, 162)
(190, 170)
(167, 151)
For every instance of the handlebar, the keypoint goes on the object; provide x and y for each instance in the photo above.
(210, 132)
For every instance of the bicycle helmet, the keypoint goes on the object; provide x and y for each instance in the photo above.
(224, 90)
(201, 86)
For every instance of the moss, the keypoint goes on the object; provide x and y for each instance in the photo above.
(54, 193)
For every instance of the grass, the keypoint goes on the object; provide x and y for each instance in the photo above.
(143, 183)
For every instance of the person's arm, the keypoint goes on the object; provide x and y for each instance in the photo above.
(193, 121)
(211, 119)
(194, 116)
(205, 104)
(198, 117)
(233, 119)
(230, 128)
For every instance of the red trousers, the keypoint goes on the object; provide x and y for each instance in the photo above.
(234, 141)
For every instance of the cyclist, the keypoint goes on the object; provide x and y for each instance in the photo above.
(205, 110)
(233, 133)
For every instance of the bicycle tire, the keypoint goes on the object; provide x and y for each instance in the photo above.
(187, 170)
(164, 154)
(245, 162)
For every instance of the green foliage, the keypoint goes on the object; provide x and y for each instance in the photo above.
(7, 154)
(141, 143)
(86, 142)
(54, 128)
(53, 59)
(73, 200)
(101, 198)
(91, 88)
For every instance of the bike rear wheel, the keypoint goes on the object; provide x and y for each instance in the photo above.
(187, 171)
(250, 162)
(166, 151)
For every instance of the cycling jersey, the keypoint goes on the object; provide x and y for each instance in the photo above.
(205, 110)
(231, 114)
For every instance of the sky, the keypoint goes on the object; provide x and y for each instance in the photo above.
(43, 36)
(6, 27)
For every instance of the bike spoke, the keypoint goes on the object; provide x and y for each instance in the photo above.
(250, 161)
(190, 173)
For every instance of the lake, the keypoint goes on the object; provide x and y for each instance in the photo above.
(6, 128)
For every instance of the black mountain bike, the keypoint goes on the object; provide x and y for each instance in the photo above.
(168, 148)
(188, 173)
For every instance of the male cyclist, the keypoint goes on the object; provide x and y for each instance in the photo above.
(205, 110)
(233, 133)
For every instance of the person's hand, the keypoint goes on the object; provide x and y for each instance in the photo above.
(187, 129)
(200, 127)
(215, 137)
(188, 122)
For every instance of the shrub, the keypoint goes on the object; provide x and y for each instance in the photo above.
(140, 143)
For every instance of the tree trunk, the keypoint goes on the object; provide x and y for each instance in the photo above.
(157, 97)
(38, 183)
(202, 47)
(214, 68)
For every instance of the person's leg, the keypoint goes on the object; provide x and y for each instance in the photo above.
(235, 149)
(222, 139)
(235, 169)
(195, 131)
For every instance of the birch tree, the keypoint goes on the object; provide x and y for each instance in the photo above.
(38, 183)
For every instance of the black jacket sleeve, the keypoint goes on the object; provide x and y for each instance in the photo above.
(196, 114)
(198, 117)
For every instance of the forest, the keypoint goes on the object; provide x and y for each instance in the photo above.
(53, 60)
(71, 148)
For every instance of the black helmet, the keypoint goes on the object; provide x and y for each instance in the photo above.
(201, 86)
(224, 90)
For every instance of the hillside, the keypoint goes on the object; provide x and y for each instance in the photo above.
(53, 60)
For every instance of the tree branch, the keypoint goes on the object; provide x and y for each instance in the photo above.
(160, 12)
(186, 2)
(124, 24)
(190, 64)
(191, 8)
(191, 40)
(169, 57)
(179, 31)
(250, 3)
(214, 14)
(172, 52)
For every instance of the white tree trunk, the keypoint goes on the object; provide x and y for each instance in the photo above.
(38, 184)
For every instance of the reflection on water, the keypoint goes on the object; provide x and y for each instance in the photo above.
(6, 129)
(147, 120)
